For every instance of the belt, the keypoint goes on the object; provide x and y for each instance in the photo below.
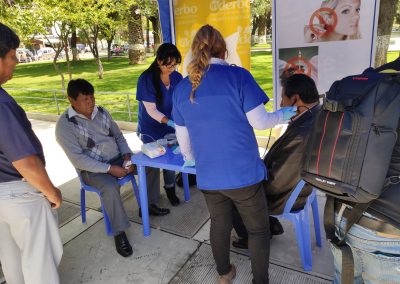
(374, 224)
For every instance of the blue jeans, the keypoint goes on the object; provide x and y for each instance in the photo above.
(376, 258)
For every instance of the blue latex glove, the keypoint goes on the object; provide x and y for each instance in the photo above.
(189, 163)
(288, 112)
(171, 123)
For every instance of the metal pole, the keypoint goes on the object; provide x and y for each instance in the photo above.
(129, 106)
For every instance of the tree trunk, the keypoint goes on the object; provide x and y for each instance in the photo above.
(109, 42)
(58, 70)
(268, 22)
(262, 24)
(68, 61)
(94, 48)
(75, 52)
(136, 52)
(156, 29)
(387, 12)
(100, 68)
(147, 33)
(253, 30)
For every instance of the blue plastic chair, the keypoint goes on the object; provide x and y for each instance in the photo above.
(301, 222)
(85, 187)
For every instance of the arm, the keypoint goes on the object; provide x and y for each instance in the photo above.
(69, 142)
(182, 135)
(154, 113)
(125, 151)
(33, 170)
(260, 119)
(152, 110)
(119, 139)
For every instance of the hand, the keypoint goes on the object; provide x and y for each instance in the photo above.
(132, 169)
(55, 198)
(118, 171)
(171, 123)
(189, 163)
(127, 156)
(288, 112)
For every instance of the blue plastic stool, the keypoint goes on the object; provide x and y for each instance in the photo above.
(85, 187)
(301, 222)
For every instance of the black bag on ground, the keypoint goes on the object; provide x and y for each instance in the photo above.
(179, 180)
(350, 149)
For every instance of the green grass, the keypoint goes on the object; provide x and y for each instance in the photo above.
(119, 76)
(392, 55)
(262, 45)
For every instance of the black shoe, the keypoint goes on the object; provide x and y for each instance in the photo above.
(173, 199)
(240, 243)
(122, 245)
(154, 210)
(275, 226)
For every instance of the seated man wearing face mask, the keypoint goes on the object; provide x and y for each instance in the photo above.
(283, 160)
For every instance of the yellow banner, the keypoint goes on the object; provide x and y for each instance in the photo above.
(230, 17)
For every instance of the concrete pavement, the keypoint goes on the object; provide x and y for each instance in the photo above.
(178, 249)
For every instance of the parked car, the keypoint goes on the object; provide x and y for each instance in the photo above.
(117, 50)
(80, 47)
(46, 53)
(25, 55)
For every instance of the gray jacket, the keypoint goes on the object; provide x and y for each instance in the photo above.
(90, 143)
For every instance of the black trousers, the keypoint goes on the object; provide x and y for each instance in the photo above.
(251, 204)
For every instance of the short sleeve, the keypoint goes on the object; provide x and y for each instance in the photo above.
(251, 93)
(145, 90)
(18, 140)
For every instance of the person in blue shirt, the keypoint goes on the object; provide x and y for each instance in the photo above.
(30, 242)
(154, 93)
(215, 110)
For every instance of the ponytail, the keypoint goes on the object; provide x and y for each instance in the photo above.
(208, 42)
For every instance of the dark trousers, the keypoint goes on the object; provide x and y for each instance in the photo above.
(251, 204)
(110, 193)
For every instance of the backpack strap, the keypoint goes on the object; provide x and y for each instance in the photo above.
(347, 275)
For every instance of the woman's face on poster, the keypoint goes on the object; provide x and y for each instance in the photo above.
(348, 17)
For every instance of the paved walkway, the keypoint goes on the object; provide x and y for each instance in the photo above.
(178, 249)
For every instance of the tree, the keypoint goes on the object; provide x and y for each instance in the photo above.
(385, 24)
(97, 17)
(74, 39)
(136, 52)
(36, 16)
(150, 11)
(261, 18)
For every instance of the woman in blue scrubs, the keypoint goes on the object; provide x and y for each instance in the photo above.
(215, 110)
(154, 93)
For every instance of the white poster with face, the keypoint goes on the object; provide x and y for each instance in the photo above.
(324, 39)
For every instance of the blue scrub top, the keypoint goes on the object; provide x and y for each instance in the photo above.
(149, 127)
(223, 141)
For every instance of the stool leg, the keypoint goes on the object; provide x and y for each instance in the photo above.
(317, 226)
(107, 222)
(83, 205)
(135, 190)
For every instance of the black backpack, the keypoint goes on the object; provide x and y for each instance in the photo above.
(350, 147)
